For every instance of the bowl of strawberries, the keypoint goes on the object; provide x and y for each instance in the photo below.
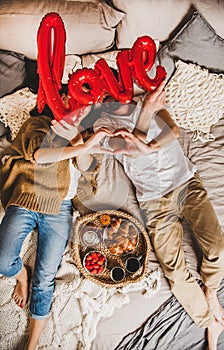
(94, 262)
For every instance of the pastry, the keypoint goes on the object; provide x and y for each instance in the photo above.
(105, 219)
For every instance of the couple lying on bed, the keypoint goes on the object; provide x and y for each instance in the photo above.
(40, 178)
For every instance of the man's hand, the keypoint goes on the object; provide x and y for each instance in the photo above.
(154, 101)
(133, 146)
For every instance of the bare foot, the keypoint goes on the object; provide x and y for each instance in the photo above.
(35, 330)
(214, 304)
(21, 291)
(213, 332)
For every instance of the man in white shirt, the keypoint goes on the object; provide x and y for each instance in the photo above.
(168, 188)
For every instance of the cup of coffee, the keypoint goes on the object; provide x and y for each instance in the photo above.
(132, 264)
(117, 274)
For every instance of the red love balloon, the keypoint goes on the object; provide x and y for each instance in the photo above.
(51, 64)
(133, 63)
(143, 56)
(92, 94)
(51, 59)
(121, 89)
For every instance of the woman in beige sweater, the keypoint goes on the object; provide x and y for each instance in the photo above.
(38, 181)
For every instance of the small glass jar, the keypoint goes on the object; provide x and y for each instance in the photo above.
(90, 238)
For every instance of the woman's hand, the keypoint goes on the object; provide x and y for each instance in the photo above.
(64, 129)
(93, 144)
(67, 128)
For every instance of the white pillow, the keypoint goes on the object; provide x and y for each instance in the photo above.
(195, 99)
(15, 109)
(90, 26)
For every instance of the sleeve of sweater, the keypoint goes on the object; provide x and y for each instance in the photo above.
(34, 133)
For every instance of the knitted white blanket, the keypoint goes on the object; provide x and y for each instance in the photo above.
(78, 305)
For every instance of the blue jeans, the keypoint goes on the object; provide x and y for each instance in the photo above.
(53, 233)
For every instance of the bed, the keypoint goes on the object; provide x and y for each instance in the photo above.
(190, 34)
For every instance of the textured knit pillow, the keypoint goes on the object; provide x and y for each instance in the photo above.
(198, 43)
(195, 99)
(15, 109)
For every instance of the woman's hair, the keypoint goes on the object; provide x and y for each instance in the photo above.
(47, 111)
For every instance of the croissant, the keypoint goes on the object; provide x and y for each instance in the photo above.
(132, 232)
(120, 240)
(125, 243)
(117, 250)
(110, 232)
(124, 230)
(109, 243)
(115, 225)
(130, 246)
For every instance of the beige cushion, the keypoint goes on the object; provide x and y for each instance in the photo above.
(158, 18)
(72, 63)
(89, 25)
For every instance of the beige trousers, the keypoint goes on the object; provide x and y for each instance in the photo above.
(163, 219)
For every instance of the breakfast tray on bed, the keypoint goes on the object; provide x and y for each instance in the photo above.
(111, 248)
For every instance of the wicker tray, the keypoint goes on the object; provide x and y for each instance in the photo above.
(94, 221)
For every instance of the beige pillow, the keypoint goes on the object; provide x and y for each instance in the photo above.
(90, 26)
(109, 56)
(72, 63)
(160, 18)
(195, 99)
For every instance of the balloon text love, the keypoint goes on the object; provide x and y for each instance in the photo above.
(132, 64)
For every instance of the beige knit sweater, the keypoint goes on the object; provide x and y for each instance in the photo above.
(23, 182)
